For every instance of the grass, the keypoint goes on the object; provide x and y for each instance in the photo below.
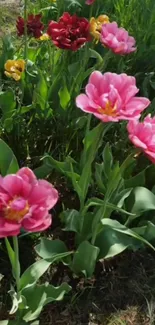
(8, 18)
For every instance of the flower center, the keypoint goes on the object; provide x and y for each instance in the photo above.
(109, 109)
(16, 209)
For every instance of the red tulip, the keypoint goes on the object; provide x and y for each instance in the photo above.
(70, 32)
(33, 24)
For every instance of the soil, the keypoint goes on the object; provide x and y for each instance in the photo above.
(122, 292)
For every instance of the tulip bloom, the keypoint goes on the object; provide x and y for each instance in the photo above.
(96, 25)
(33, 24)
(117, 39)
(14, 69)
(70, 32)
(142, 135)
(25, 203)
(111, 97)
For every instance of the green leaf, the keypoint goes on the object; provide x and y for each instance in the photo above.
(8, 161)
(92, 142)
(115, 225)
(64, 96)
(7, 102)
(101, 182)
(41, 92)
(137, 180)
(140, 200)
(63, 167)
(14, 322)
(8, 124)
(84, 260)
(39, 296)
(148, 231)
(107, 160)
(33, 273)
(52, 250)
(111, 243)
(71, 218)
(85, 179)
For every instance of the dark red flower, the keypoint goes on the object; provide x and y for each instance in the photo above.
(33, 24)
(70, 32)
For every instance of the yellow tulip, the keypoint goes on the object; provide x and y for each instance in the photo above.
(96, 25)
(44, 37)
(14, 69)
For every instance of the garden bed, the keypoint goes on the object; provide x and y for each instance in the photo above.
(66, 119)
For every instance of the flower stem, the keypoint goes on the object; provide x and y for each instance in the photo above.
(17, 265)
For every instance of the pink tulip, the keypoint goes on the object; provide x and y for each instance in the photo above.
(111, 97)
(90, 2)
(25, 203)
(142, 135)
(117, 39)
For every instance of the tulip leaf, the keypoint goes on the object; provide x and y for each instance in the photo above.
(64, 96)
(111, 243)
(140, 200)
(84, 260)
(118, 227)
(52, 250)
(107, 160)
(33, 273)
(7, 102)
(37, 296)
(8, 161)
(41, 92)
(71, 219)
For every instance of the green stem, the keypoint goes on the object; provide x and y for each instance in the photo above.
(17, 267)
(25, 29)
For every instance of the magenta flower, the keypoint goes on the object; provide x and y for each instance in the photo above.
(117, 39)
(25, 203)
(142, 135)
(111, 97)
(90, 2)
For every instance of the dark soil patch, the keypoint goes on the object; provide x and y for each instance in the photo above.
(123, 293)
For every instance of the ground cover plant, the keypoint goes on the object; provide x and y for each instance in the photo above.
(77, 153)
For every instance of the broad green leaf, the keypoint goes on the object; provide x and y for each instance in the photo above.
(147, 231)
(33, 273)
(107, 160)
(84, 260)
(14, 322)
(8, 161)
(92, 142)
(86, 230)
(44, 170)
(111, 243)
(85, 178)
(63, 167)
(7, 50)
(52, 250)
(115, 225)
(41, 92)
(8, 124)
(7, 102)
(140, 200)
(64, 96)
(38, 296)
(137, 180)
(101, 182)
(71, 218)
